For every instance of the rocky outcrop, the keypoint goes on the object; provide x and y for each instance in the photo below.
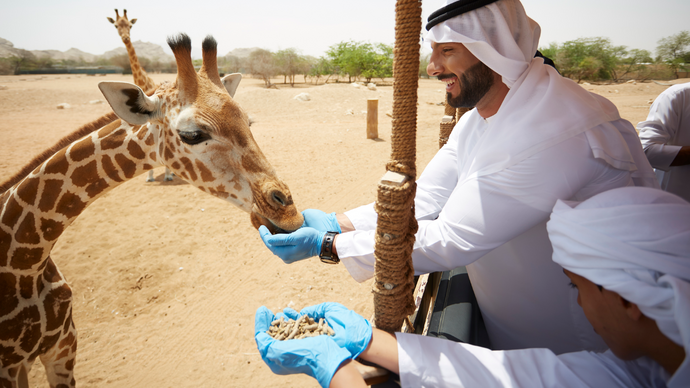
(71, 54)
(7, 49)
(144, 50)
(241, 52)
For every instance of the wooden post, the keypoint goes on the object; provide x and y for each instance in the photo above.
(372, 118)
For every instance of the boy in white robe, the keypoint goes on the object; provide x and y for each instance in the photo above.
(665, 137)
(627, 254)
(483, 201)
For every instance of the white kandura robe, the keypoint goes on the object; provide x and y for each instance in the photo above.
(666, 129)
(495, 224)
(432, 362)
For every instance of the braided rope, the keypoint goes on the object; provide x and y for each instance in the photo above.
(447, 126)
(394, 274)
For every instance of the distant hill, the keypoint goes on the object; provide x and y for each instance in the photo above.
(148, 50)
(7, 49)
(144, 50)
(241, 52)
(71, 54)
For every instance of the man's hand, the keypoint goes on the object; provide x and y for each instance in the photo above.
(318, 357)
(301, 244)
(352, 331)
(321, 221)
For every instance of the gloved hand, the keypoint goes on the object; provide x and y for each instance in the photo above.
(352, 331)
(321, 221)
(301, 244)
(318, 357)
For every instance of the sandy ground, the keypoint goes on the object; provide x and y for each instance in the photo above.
(166, 279)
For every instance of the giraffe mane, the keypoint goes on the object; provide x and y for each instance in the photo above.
(62, 143)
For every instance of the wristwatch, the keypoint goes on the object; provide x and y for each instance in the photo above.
(327, 255)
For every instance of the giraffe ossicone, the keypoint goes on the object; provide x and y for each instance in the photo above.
(193, 126)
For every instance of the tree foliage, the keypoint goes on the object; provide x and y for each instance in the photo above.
(321, 67)
(674, 47)
(586, 58)
(356, 59)
(598, 59)
(674, 50)
(290, 63)
(262, 63)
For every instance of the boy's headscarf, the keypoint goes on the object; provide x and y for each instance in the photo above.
(634, 241)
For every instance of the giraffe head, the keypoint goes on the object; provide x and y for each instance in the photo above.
(196, 129)
(122, 24)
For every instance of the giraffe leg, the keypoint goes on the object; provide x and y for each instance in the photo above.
(59, 361)
(150, 177)
(23, 377)
(17, 376)
(168, 174)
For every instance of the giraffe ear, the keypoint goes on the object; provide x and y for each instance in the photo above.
(111, 20)
(231, 82)
(133, 21)
(129, 102)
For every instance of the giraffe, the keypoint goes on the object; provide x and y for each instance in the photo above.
(141, 79)
(192, 126)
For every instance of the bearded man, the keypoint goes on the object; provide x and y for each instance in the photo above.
(483, 201)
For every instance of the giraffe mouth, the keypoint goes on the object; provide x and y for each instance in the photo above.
(259, 219)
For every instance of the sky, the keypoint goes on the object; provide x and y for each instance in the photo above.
(310, 26)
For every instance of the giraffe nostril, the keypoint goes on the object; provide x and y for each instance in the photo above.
(279, 198)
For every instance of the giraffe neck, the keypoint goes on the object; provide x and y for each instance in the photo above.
(141, 79)
(38, 209)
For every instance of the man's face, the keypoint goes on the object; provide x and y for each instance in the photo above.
(605, 310)
(467, 79)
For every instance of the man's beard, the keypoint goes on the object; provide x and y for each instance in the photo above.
(474, 84)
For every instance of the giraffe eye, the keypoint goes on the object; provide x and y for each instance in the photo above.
(193, 137)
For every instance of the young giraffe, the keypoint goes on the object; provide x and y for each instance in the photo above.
(141, 79)
(192, 126)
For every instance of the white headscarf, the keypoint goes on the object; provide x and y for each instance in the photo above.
(542, 108)
(634, 241)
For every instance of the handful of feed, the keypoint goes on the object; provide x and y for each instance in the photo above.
(303, 327)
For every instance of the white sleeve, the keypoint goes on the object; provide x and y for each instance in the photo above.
(484, 213)
(659, 129)
(434, 362)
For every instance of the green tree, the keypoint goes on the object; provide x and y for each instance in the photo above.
(674, 46)
(379, 62)
(587, 58)
(320, 68)
(635, 63)
(675, 51)
(288, 63)
(356, 59)
(262, 63)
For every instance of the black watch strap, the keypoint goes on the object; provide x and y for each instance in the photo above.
(327, 255)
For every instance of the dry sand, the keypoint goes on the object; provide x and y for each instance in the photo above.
(166, 279)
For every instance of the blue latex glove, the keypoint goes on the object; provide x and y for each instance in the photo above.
(352, 331)
(321, 221)
(290, 247)
(318, 357)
